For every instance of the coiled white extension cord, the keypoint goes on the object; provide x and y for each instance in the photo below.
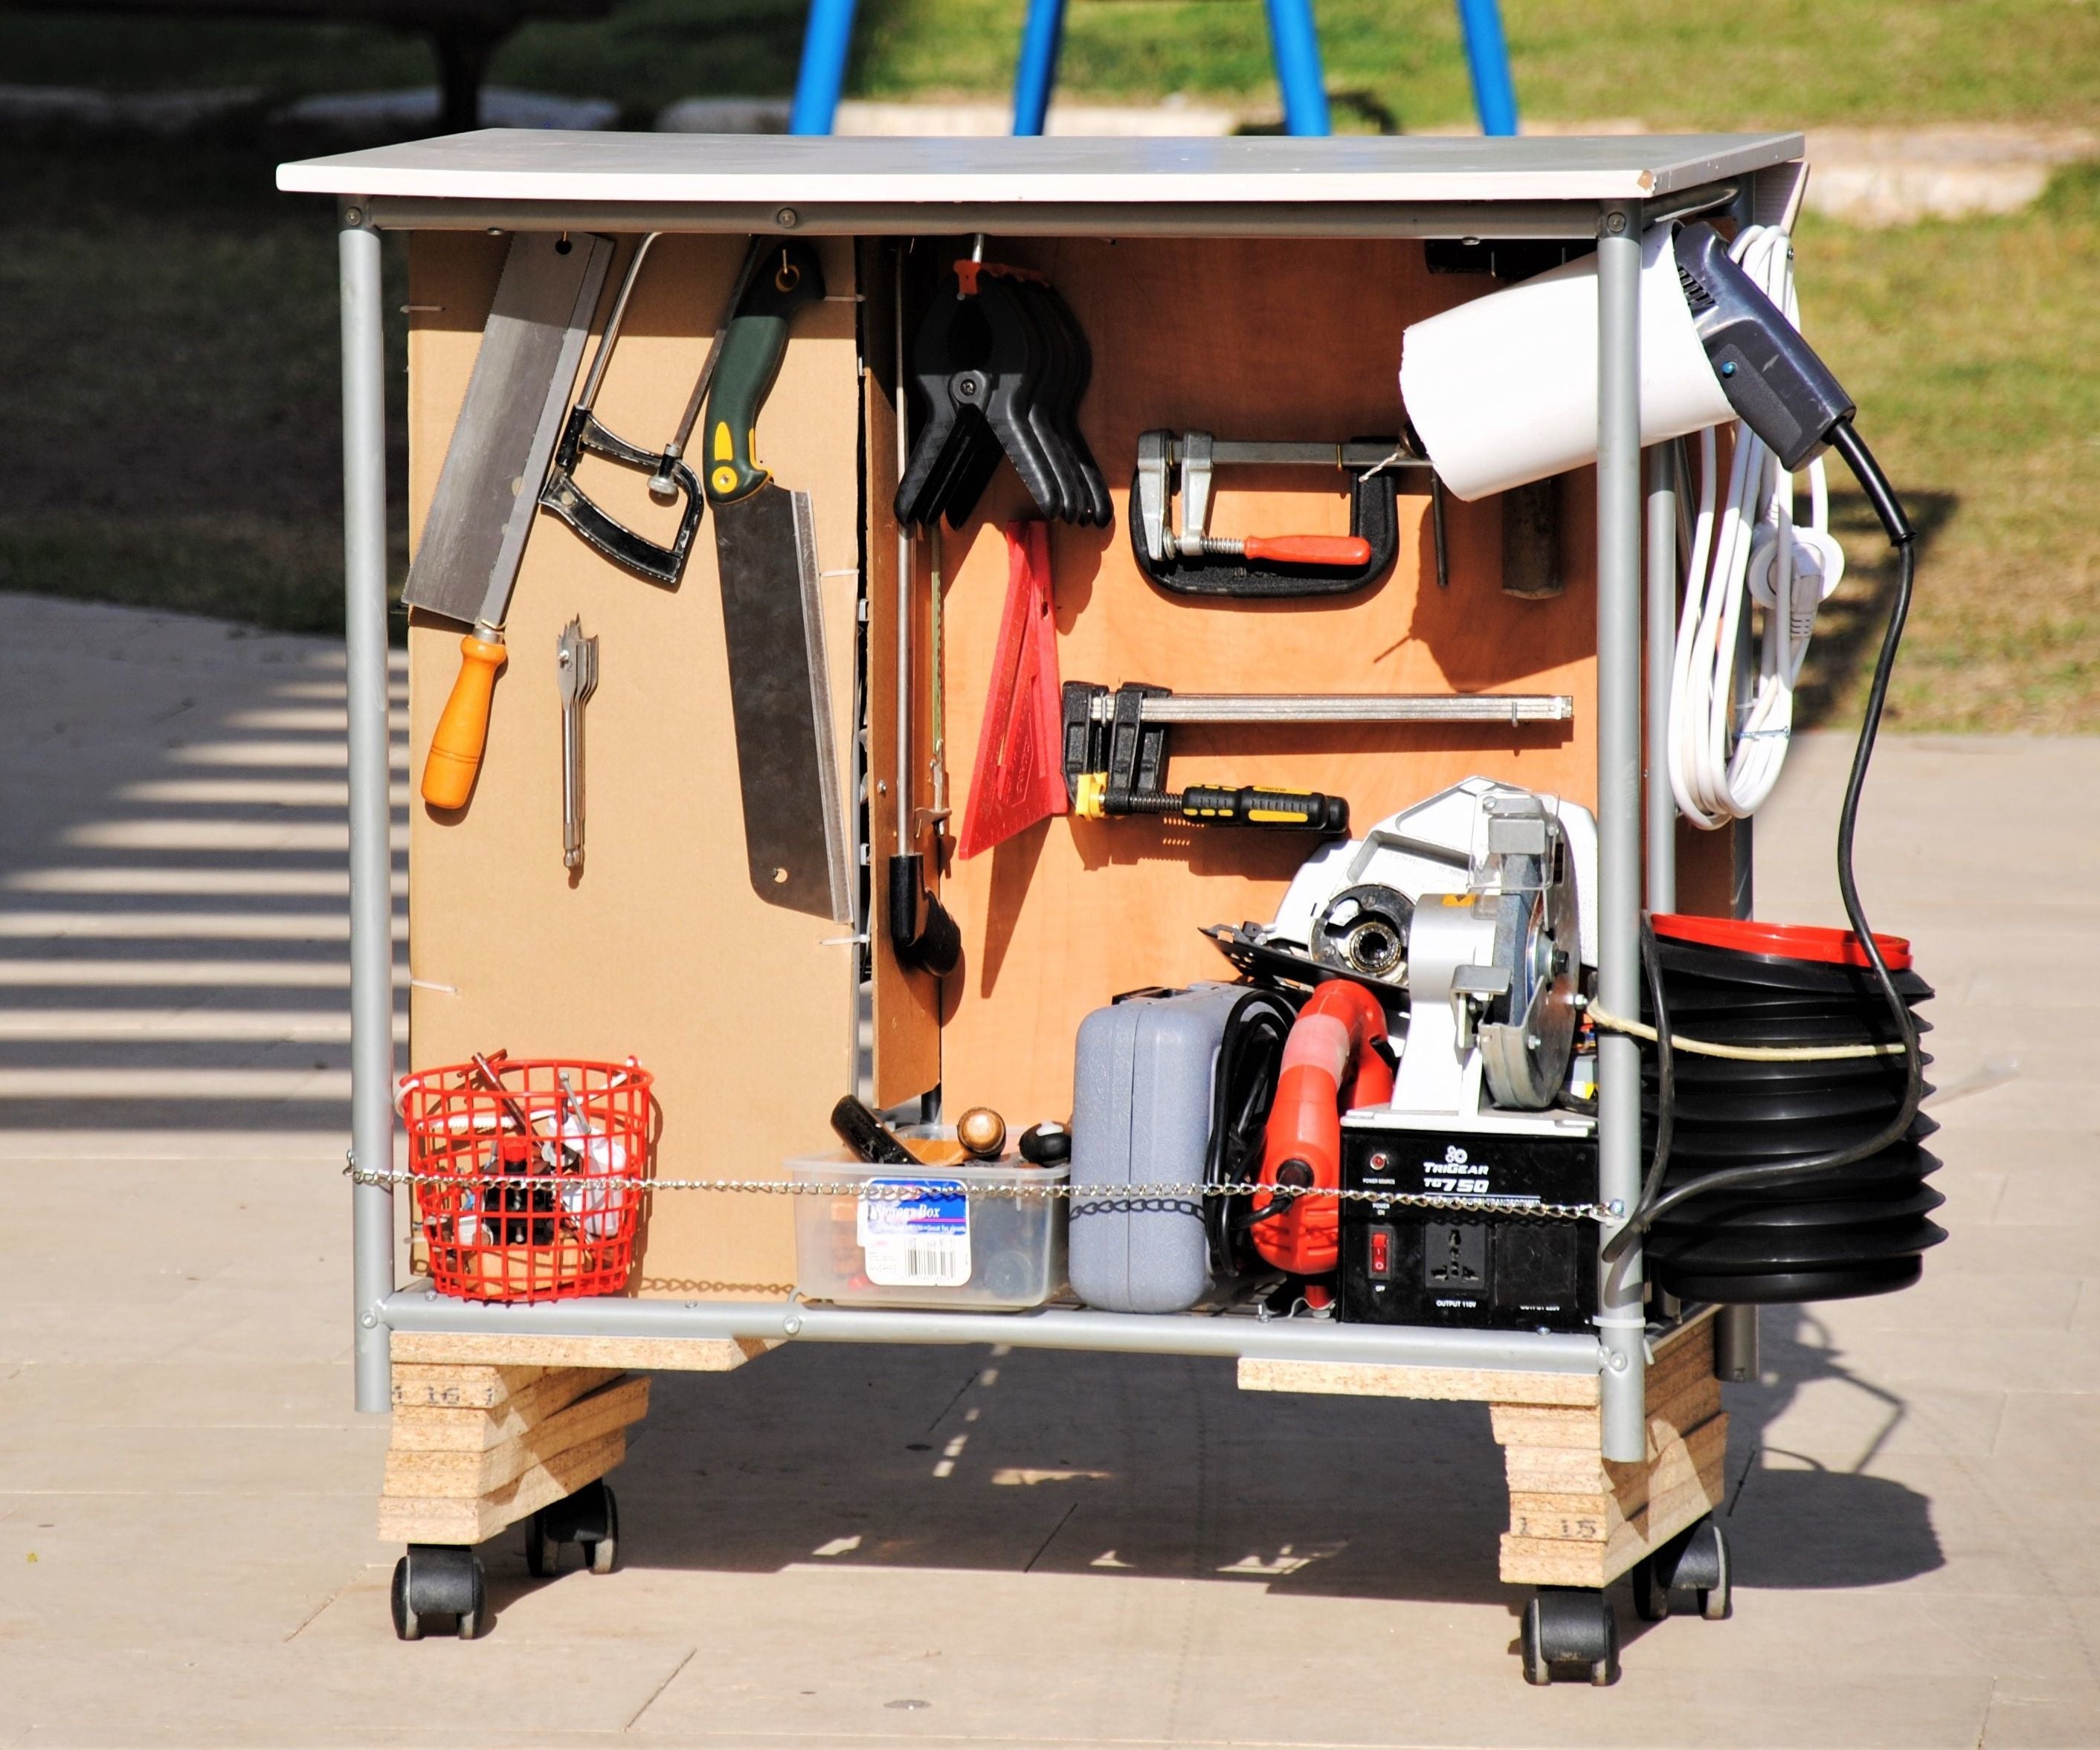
(1720, 768)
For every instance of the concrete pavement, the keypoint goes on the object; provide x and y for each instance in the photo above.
(1119, 1550)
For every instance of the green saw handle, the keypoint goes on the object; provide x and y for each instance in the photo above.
(786, 278)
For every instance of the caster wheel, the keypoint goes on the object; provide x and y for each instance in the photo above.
(438, 1581)
(589, 1518)
(1703, 1570)
(602, 1551)
(1651, 1590)
(1691, 1572)
(1571, 1632)
(543, 1554)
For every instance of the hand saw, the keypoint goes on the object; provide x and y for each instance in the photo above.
(474, 537)
(773, 612)
(584, 435)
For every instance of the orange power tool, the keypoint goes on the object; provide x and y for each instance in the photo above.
(1336, 1058)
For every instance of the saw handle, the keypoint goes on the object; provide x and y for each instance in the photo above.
(1345, 551)
(454, 759)
(788, 277)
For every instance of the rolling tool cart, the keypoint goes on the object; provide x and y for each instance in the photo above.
(732, 917)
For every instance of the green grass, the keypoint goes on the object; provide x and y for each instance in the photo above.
(1668, 63)
(1968, 347)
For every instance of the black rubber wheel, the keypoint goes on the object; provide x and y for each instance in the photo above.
(1703, 1572)
(543, 1554)
(1569, 1632)
(439, 1580)
(407, 1626)
(1689, 1573)
(590, 1519)
(1651, 1590)
(602, 1552)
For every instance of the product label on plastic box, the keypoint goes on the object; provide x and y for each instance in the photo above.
(914, 1233)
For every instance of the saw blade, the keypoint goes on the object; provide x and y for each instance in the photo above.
(780, 699)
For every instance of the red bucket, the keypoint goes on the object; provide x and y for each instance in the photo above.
(529, 1189)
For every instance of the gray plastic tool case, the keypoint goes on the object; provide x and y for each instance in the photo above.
(1141, 1111)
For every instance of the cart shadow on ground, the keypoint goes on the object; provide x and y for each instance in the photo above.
(1147, 1466)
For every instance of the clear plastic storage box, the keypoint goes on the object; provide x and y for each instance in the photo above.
(914, 1236)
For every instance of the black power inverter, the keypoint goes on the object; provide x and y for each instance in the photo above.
(1492, 1268)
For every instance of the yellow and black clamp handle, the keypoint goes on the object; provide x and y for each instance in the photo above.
(1115, 765)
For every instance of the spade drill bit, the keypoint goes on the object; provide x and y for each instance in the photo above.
(577, 673)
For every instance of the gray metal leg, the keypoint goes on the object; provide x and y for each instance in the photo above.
(1662, 649)
(371, 856)
(1736, 1345)
(1620, 1318)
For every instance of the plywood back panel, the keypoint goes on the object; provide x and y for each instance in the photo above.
(658, 947)
(1243, 339)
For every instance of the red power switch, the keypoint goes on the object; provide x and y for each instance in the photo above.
(1382, 1253)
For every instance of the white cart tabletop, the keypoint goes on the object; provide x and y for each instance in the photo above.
(501, 165)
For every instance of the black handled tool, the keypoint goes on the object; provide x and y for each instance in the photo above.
(861, 1131)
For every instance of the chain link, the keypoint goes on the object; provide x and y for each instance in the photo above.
(1086, 1196)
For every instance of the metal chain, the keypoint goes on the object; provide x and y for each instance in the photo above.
(1085, 1195)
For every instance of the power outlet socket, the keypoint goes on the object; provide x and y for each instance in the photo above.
(1454, 1257)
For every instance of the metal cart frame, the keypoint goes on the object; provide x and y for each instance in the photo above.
(1609, 190)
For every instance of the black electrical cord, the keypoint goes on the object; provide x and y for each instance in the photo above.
(1654, 1202)
(1249, 1060)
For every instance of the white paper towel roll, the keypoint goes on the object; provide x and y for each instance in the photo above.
(1503, 390)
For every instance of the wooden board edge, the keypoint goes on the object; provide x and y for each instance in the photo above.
(421, 1428)
(1364, 1379)
(659, 1355)
(412, 1519)
(466, 1475)
(418, 1385)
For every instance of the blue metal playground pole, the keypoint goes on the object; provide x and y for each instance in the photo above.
(1295, 45)
(1042, 40)
(1494, 92)
(822, 74)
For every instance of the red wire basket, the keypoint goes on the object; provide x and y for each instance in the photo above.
(530, 1188)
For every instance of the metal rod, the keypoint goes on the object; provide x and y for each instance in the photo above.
(1661, 648)
(827, 41)
(1042, 39)
(611, 337)
(1620, 1318)
(1487, 58)
(371, 855)
(1573, 220)
(1294, 44)
(1348, 708)
(1226, 452)
(416, 1309)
